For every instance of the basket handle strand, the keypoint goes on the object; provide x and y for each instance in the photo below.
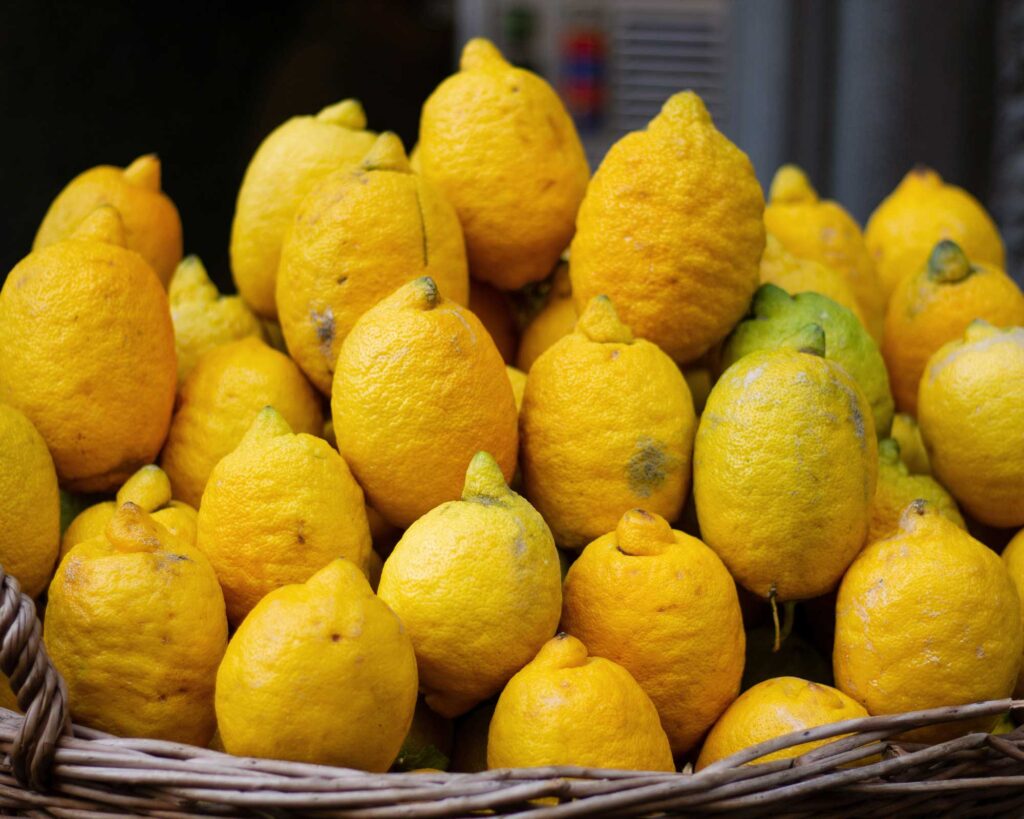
(41, 692)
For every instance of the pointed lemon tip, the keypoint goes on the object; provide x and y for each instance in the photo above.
(561, 651)
(979, 329)
(480, 52)
(790, 186)
(484, 478)
(600, 322)
(809, 339)
(421, 293)
(387, 154)
(190, 271)
(921, 174)
(102, 225)
(144, 172)
(769, 300)
(640, 532)
(131, 529)
(948, 264)
(916, 512)
(149, 489)
(346, 114)
(684, 106)
(268, 423)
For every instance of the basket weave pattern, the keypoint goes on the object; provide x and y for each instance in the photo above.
(52, 768)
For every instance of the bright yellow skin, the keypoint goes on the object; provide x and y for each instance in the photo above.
(152, 227)
(821, 230)
(607, 424)
(567, 708)
(662, 605)
(203, 318)
(288, 164)
(492, 308)
(934, 306)
(800, 275)
(912, 452)
(88, 354)
(419, 389)
(320, 672)
(504, 151)
(218, 402)
(517, 378)
(671, 230)
(135, 624)
(928, 617)
(150, 490)
(1013, 559)
(477, 583)
(278, 509)
(898, 488)
(980, 460)
(774, 708)
(29, 504)
(555, 320)
(920, 212)
(359, 234)
(770, 497)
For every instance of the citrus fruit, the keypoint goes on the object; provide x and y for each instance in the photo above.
(1013, 558)
(556, 319)
(492, 307)
(907, 434)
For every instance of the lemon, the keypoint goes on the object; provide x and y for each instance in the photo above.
(926, 618)
(276, 510)
(502, 148)
(333, 646)
(971, 411)
(477, 583)
(556, 319)
(907, 434)
(494, 310)
(662, 605)
(568, 708)
(785, 466)
(1013, 558)
(671, 230)
(286, 166)
(517, 378)
(357, 236)
(135, 625)
(607, 424)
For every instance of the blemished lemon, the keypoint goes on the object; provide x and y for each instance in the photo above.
(152, 226)
(286, 166)
(607, 424)
(500, 145)
(774, 708)
(276, 510)
(29, 504)
(662, 605)
(97, 377)
(418, 390)
(358, 235)
(333, 646)
(671, 230)
(477, 583)
(770, 496)
(926, 618)
(135, 625)
(971, 412)
(568, 708)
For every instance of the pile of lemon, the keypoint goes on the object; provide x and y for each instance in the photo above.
(326, 520)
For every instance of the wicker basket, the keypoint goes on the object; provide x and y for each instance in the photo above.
(54, 768)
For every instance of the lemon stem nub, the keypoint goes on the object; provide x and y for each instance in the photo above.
(600, 322)
(791, 185)
(948, 264)
(484, 479)
(387, 154)
(346, 114)
(144, 172)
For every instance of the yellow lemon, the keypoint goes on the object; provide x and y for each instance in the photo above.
(897, 489)
(607, 424)
(276, 510)
(419, 389)
(934, 306)
(203, 318)
(771, 497)
(502, 148)
(1013, 559)
(671, 229)
(971, 411)
(358, 235)
(823, 231)
(556, 319)
(218, 402)
(774, 708)
(922, 211)
(135, 624)
(907, 434)
(152, 227)
(88, 353)
(517, 378)
(494, 310)
(928, 617)
(662, 605)
(477, 583)
(287, 165)
(29, 504)
(331, 646)
(568, 708)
